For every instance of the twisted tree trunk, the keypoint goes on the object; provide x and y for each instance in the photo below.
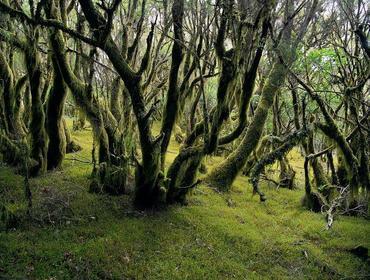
(39, 139)
(224, 175)
(54, 122)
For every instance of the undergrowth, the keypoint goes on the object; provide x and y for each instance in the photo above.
(217, 236)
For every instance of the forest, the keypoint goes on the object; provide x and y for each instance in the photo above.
(184, 139)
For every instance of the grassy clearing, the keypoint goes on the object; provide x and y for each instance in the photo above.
(217, 236)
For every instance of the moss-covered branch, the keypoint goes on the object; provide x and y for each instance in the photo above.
(278, 154)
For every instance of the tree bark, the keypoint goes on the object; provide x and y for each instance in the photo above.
(224, 174)
(172, 101)
(39, 140)
(54, 121)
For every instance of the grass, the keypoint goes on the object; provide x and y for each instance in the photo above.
(217, 236)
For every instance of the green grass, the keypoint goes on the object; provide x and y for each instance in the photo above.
(217, 236)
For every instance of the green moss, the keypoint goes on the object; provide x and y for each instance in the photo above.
(218, 236)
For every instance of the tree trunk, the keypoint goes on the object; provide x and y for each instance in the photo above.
(39, 139)
(54, 122)
(224, 174)
(172, 101)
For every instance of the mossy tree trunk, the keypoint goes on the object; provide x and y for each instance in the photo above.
(287, 174)
(109, 175)
(115, 100)
(183, 170)
(54, 120)
(11, 96)
(80, 93)
(311, 199)
(279, 153)
(321, 181)
(7, 87)
(149, 190)
(38, 136)
(331, 130)
(39, 139)
(225, 173)
(172, 97)
(71, 146)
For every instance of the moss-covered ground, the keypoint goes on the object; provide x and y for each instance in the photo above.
(217, 236)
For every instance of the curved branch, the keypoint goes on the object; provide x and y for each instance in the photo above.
(22, 16)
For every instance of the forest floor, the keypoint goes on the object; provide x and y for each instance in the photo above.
(217, 236)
